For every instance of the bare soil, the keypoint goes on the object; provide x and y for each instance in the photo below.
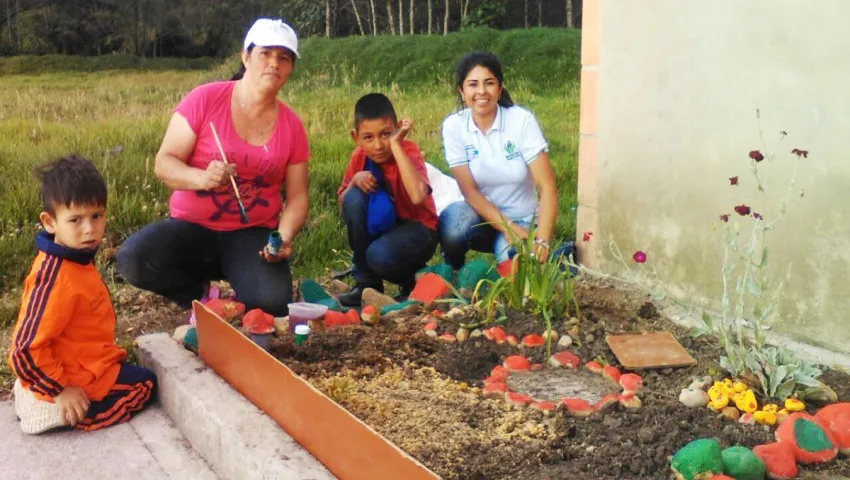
(424, 396)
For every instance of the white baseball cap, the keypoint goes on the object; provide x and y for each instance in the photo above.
(266, 32)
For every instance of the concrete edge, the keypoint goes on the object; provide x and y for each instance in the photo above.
(237, 439)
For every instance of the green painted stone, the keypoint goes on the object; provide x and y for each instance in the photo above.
(397, 306)
(473, 272)
(442, 269)
(191, 339)
(810, 437)
(698, 458)
(742, 464)
(314, 293)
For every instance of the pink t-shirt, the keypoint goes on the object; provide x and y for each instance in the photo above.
(260, 174)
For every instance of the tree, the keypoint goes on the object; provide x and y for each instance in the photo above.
(430, 13)
(411, 17)
(374, 17)
(390, 16)
(446, 19)
(357, 16)
(400, 17)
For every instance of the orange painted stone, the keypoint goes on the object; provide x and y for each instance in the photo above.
(429, 287)
(258, 322)
(491, 380)
(488, 333)
(611, 373)
(516, 363)
(594, 366)
(812, 441)
(779, 460)
(512, 340)
(498, 335)
(721, 477)
(543, 406)
(836, 418)
(227, 310)
(536, 367)
(495, 390)
(564, 359)
(370, 314)
(517, 399)
(631, 382)
(447, 337)
(578, 407)
(630, 400)
(504, 268)
(607, 402)
(499, 371)
(431, 326)
(533, 340)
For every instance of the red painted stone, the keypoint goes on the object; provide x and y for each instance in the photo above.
(258, 322)
(227, 310)
(564, 359)
(447, 337)
(611, 373)
(543, 406)
(516, 363)
(488, 334)
(779, 459)
(517, 399)
(631, 382)
(504, 268)
(429, 287)
(512, 340)
(533, 340)
(594, 366)
(495, 390)
(491, 380)
(836, 417)
(431, 326)
(370, 314)
(499, 371)
(578, 407)
(607, 401)
(498, 335)
(629, 400)
(721, 477)
(824, 449)
(536, 367)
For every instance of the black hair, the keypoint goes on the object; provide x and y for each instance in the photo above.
(373, 106)
(241, 72)
(488, 61)
(70, 180)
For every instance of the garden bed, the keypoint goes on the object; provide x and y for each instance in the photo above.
(424, 395)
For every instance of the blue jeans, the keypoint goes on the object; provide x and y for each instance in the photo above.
(462, 229)
(395, 256)
(177, 259)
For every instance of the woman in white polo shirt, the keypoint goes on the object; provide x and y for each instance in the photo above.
(500, 159)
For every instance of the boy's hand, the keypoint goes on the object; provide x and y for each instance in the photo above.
(365, 181)
(73, 404)
(404, 128)
(216, 175)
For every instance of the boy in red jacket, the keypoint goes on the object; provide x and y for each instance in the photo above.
(70, 372)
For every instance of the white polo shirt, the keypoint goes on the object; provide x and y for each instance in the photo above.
(498, 159)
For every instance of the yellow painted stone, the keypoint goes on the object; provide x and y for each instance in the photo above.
(765, 418)
(739, 387)
(746, 401)
(794, 405)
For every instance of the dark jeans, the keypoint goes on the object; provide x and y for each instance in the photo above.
(395, 256)
(176, 259)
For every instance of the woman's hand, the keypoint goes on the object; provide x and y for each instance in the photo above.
(282, 254)
(540, 252)
(216, 175)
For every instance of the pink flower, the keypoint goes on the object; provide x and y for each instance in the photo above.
(586, 236)
(733, 180)
(742, 210)
(639, 257)
(800, 153)
(725, 217)
(757, 216)
(756, 155)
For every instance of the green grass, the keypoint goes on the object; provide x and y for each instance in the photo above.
(49, 114)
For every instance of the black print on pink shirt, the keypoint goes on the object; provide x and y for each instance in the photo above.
(225, 200)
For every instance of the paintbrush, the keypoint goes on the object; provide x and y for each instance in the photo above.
(242, 212)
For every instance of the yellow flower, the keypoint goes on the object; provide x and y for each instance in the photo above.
(765, 418)
(746, 401)
(794, 405)
(739, 387)
(771, 407)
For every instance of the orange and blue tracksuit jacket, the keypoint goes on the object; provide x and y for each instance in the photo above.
(65, 333)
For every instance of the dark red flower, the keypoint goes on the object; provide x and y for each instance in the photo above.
(586, 236)
(639, 257)
(756, 155)
(757, 216)
(742, 210)
(800, 153)
(733, 180)
(725, 217)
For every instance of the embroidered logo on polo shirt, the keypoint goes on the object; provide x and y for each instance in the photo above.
(511, 151)
(471, 152)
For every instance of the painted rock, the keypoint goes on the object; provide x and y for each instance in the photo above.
(742, 464)
(543, 406)
(180, 332)
(698, 459)
(732, 413)
(369, 314)
(190, 341)
(629, 400)
(258, 322)
(746, 418)
(694, 398)
(499, 371)
(227, 310)
(778, 459)
(517, 399)
(491, 379)
(593, 366)
(498, 335)
(429, 288)
(577, 407)
(533, 340)
(447, 337)
(431, 326)
(495, 390)
(564, 359)
(631, 382)
(812, 441)
(611, 373)
(607, 402)
(511, 339)
(701, 383)
(564, 342)
(487, 334)
(720, 477)
(836, 418)
(516, 363)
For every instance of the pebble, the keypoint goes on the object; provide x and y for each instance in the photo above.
(338, 286)
(573, 321)
(701, 383)
(180, 332)
(694, 397)
(462, 335)
(455, 313)
(476, 333)
(431, 333)
(667, 371)
(564, 342)
(731, 413)
(589, 338)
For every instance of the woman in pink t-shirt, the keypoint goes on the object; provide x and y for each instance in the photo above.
(206, 238)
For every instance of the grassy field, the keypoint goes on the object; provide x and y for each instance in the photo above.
(109, 103)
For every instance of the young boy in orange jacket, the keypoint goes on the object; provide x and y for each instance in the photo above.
(70, 372)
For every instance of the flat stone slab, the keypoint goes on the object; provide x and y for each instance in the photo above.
(237, 439)
(148, 447)
(553, 384)
(649, 350)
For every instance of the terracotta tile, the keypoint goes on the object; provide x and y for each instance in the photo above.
(649, 350)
